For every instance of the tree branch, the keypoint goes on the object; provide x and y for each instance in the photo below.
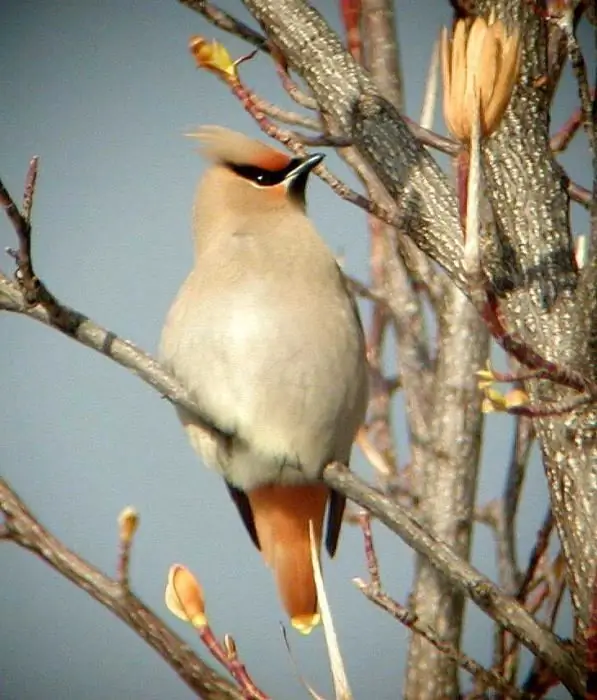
(24, 530)
(485, 594)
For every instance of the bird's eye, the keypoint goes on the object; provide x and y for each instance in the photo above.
(260, 176)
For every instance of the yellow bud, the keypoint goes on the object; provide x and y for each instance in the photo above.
(493, 401)
(184, 596)
(214, 57)
(128, 522)
(516, 397)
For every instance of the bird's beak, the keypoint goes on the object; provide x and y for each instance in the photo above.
(296, 179)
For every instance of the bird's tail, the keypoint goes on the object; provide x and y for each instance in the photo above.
(281, 515)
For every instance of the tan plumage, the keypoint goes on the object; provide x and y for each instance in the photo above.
(265, 336)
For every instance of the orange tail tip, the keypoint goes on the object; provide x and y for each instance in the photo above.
(281, 515)
(305, 624)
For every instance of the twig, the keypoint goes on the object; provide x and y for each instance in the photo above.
(227, 655)
(25, 531)
(507, 648)
(384, 469)
(221, 19)
(580, 194)
(539, 549)
(373, 592)
(340, 679)
(370, 553)
(296, 143)
(292, 89)
(21, 223)
(486, 595)
(350, 11)
(295, 666)
(430, 138)
(561, 139)
(30, 182)
(286, 116)
(580, 71)
(128, 522)
(521, 449)
(525, 354)
(360, 289)
(379, 397)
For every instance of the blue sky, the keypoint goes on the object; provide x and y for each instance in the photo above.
(102, 92)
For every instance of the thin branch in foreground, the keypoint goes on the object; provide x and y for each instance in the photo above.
(185, 599)
(25, 531)
(373, 592)
(432, 139)
(227, 655)
(485, 594)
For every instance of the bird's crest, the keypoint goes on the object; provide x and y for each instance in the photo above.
(226, 146)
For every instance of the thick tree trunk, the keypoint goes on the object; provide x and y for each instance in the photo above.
(448, 481)
(545, 298)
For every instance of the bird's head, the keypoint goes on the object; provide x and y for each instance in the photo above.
(249, 178)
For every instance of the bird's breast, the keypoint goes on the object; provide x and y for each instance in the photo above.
(281, 370)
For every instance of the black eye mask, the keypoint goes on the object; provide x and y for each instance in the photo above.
(261, 176)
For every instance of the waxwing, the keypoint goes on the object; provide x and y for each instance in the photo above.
(267, 339)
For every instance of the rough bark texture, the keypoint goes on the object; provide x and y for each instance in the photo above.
(544, 297)
(449, 479)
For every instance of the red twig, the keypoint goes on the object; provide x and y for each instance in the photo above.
(293, 90)
(527, 356)
(350, 11)
(227, 655)
(560, 140)
(462, 161)
(370, 553)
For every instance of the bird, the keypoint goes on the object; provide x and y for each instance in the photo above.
(267, 339)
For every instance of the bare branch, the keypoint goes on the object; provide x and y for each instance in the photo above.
(373, 591)
(27, 532)
(228, 23)
(502, 608)
(521, 450)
